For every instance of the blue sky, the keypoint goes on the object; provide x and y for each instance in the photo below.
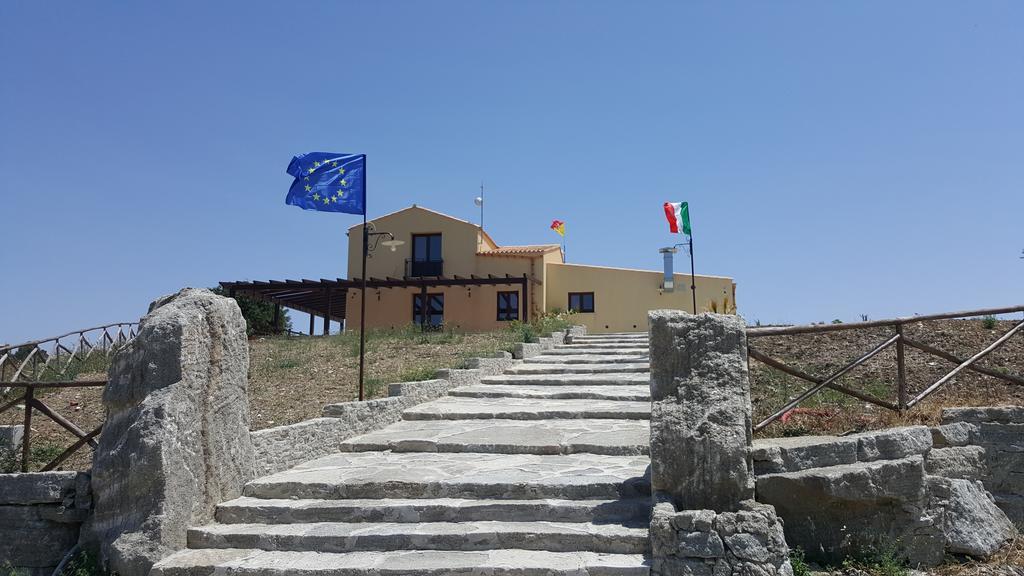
(839, 158)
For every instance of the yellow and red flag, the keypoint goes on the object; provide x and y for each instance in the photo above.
(558, 226)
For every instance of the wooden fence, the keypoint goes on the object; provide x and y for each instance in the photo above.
(55, 363)
(903, 401)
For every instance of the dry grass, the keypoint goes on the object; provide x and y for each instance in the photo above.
(292, 378)
(834, 413)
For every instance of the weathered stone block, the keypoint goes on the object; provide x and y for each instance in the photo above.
(176, 441)
(954, 434)
(836, 511)
(701, 414)
(893, 443)
(978, 415)
(966, 462)
(971, 523)
(774, 455)
(36, 487)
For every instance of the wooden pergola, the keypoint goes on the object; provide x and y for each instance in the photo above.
(328, 298)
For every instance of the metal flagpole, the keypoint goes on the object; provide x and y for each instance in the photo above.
(693, 282)
(362, 296)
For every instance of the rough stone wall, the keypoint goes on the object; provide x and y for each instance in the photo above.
(888, 488)
(283, 447)
(40, 517)
(749, 541)
(176, 440)
(705, 521)
(700, 413)
(985, 444)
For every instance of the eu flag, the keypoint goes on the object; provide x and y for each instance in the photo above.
(328, 182)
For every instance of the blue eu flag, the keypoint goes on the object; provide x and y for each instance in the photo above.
(328, 182)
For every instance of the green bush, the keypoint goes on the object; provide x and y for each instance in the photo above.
(988, 322)
(259, 315)
(799, 563)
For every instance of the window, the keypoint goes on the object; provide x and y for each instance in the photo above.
(508, 306)
(426, 255)
(581, 301)
(434, 314)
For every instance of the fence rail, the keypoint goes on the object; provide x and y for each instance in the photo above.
(55, 363)
(903, 401)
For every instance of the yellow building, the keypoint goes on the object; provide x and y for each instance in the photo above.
(439, 246)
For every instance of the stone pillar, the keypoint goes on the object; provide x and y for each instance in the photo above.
(176, 439)
(701, 415)
(705, 522)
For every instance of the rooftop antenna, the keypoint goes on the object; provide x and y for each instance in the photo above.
(479, 201)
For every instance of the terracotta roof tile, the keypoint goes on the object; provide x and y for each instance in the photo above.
(535, 250)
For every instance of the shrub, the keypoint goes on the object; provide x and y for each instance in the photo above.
(988, 322)
(259, 315)
(799, 563)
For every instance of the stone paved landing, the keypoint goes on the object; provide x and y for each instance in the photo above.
(541, 470)
(607, 436)
(402, 563)
(426, 475)
(453, 408)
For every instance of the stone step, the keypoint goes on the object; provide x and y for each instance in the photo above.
(454, 408)
(598, 379)
(588, 359)
(604, 345)
(401, 563)
(246, 510)
(465, 475)
(577, 350)
(335, 537)
(555, 368)
(639, 393)
(603, 436)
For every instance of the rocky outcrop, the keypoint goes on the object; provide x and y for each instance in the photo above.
(176, 440)
(701, 414)
(881, 489)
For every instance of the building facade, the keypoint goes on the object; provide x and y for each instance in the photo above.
(438, 245)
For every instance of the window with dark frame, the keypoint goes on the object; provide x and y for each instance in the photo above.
(434, 310)
(581, 301)
(426, 255)
(508, 306)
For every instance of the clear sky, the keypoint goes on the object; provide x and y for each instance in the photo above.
(840, 158)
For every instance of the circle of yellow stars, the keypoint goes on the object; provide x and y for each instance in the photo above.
(326, 199)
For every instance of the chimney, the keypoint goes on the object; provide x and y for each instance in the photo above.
(669, 284)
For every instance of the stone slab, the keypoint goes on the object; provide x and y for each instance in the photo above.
(556, 368)
(402, 563)
(389, 536)
(964, 462)
(618, 344)
(596, 350)
(774, 455)
(636, 378)
(633, 511)
(424, 475)
(630, 393)
(588, 359)
(452, 408)
(603, 436)
(36, 487)
(1001, 414)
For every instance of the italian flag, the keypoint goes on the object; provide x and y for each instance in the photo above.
(678, 214)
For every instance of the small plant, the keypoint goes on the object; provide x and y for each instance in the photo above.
(799, 562)
(837, 321)
(372, 387)
(418, 374)
(988, 322)
(83, 564)
(878, 561)
(288, 363)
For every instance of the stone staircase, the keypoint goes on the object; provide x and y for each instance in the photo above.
(538, 471)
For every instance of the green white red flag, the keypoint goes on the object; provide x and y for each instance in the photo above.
(678, 214)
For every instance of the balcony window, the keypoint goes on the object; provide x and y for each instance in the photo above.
(581, 301)
(426, 256)
(508, 306)
(430, 316)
